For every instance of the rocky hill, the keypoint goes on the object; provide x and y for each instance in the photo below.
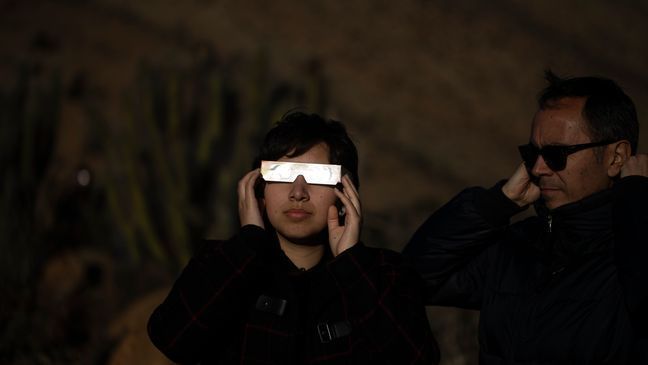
(436, 93)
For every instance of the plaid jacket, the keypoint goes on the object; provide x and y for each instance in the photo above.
(242, 301)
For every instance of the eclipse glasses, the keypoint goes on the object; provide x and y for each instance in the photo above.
(555, 156)
(313, 173)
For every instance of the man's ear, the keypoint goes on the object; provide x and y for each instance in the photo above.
(619, 153)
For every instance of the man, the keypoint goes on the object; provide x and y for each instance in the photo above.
(295, 286)
(570, 285)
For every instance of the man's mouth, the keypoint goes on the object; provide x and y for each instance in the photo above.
(548, 189)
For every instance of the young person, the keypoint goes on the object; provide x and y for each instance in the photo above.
(295, 285)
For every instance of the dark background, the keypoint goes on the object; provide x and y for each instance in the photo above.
(125, 125)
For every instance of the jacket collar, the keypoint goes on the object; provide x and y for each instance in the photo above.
(578, 228)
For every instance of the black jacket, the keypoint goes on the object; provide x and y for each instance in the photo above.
(242, 301)
(568, 286)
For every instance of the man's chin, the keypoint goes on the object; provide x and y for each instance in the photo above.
(554, 203)
(552, 198)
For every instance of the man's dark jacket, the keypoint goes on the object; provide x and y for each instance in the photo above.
(242, 301)
(567, 286)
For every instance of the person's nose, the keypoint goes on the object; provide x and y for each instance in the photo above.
(299, 189)
(540, 167)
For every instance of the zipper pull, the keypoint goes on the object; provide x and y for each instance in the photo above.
(549, 223)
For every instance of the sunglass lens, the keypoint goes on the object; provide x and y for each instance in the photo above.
(529, 154)
(554, 157)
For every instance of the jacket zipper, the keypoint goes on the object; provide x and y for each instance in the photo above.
(558, 271)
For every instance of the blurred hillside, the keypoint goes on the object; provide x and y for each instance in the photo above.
(125, 126)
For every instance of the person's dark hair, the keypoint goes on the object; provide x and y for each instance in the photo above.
(297, 132)
(609, 112)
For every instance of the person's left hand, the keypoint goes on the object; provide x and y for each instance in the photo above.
(344, 237)
(635, 165)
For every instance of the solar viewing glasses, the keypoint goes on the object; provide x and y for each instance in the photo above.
(313, 173)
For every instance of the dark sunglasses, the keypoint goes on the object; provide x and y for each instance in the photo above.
(555, 156)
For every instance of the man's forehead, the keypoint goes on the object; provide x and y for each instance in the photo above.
(562, 124)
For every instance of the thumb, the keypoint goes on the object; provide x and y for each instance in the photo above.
(520, 187)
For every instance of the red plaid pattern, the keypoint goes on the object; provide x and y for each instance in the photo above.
(242, 301)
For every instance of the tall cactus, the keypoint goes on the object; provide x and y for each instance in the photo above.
(29, 117)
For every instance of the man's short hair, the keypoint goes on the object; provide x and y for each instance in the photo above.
(297, 132)
(609, 112)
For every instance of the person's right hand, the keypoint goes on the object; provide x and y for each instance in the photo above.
(520, 189)
(248, 204)
(635, 165)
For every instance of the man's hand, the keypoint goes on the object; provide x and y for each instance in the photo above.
(520, 189)
(344, 237)
(635, 165)
(248, 204)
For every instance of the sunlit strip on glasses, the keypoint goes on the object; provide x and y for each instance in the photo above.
(313, 173)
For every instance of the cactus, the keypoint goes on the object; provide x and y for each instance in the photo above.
(163, 177)
(180, 182)
(29, 118)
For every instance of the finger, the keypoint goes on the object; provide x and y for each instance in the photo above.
(351, 211)
(521, 173)
(352, 187)
(241, 189)
(252, 179)
(635, 165)
(352, 193)
(244, 185)
(348, 190)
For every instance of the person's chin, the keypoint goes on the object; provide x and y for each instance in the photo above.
(552, 204)
(309, 242)
(552, 198)
(307, 238)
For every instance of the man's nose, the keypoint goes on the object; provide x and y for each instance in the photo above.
(299, 189)
(540, 167)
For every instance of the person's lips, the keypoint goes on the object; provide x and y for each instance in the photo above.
(297, 213)
(549, 189)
